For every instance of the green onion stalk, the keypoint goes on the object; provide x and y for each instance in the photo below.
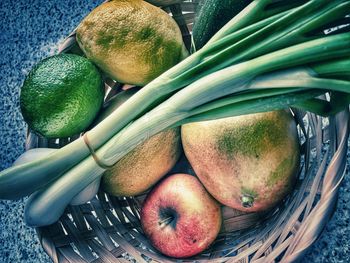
(30, 177)
(197, 102)
(225, 78)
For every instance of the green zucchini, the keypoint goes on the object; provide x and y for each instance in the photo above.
(212, 16)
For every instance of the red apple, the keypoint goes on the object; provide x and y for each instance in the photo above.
(179, 217)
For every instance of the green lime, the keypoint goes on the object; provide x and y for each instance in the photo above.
(61, 96)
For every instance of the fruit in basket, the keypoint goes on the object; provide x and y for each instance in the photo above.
(141, 168)
(131, 40)
(61, 96)
(247, 162)
(179, 217)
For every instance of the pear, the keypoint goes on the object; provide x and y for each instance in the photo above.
(141, 168)
(247, 162)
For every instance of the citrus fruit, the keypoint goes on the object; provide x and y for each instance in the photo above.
(132, 41)
(61, 96)
(247, 162)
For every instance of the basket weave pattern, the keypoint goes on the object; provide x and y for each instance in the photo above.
(107, 229)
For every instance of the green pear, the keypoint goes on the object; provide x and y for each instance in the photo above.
(247, 162)
(141, 168)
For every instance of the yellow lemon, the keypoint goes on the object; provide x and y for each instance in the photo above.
(132, 41)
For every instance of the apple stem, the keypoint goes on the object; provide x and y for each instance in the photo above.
(165, 221)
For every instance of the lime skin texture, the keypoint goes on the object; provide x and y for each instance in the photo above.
(61, 96)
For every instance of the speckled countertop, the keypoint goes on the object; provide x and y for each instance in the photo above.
(31, 31)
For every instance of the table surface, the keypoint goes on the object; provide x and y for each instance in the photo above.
(31, 31)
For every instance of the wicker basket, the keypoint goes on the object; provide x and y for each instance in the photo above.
(107, 229)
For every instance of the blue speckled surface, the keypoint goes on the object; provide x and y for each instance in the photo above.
(30, 31)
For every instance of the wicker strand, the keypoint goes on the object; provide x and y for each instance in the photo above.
(108, 228)
(320, 215)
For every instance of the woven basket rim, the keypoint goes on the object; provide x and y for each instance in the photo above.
(84, 232)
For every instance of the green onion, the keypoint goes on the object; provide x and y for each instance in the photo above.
(256, 11)
(187, 71)
(265, 40)
(251, 66)
(180, 106)
(339, 68)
